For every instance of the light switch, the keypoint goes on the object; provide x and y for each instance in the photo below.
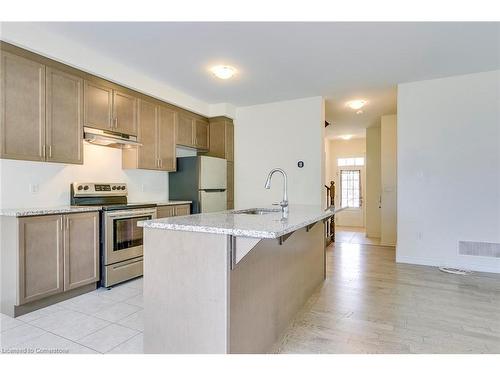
(34, 188)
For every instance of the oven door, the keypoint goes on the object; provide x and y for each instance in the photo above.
(123, 239)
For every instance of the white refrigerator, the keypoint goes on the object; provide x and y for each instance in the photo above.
(202, 180)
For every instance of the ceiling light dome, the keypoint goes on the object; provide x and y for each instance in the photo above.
(223, 71)
(356, 104)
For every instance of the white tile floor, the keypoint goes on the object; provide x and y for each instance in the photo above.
(102, 321)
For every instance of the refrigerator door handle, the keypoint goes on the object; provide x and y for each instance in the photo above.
(213, 190)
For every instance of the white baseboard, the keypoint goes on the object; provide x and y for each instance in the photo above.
(436, 262)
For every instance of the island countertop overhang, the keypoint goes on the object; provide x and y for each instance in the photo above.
(234, 223)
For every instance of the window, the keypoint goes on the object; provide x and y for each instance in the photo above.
(350, 162)
(350, 185)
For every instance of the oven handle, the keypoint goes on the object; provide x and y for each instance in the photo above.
(131, 214)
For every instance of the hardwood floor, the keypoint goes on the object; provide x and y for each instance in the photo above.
(354, 235)
(370, 304)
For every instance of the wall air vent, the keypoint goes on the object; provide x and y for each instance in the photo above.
(480, 249)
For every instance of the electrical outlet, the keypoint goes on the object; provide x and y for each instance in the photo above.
(34, 188)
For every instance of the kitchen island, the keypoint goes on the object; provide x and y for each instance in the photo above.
(229, 282)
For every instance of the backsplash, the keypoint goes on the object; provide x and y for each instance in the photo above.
(38, 184)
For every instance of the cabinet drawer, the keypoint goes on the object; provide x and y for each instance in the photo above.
(118, 272)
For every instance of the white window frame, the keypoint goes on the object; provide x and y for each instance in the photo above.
(351, 169)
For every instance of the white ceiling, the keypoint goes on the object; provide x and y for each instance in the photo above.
(279, 61)
(345, 121)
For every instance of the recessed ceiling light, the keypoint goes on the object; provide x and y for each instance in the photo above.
(359, 112)
(346, 137)
(223, 71)
(356, 104)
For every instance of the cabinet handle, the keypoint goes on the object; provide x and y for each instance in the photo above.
(50, 151)
(161, 163)
(43, 151)
(116, 122)
(67, 223)
(61, 223)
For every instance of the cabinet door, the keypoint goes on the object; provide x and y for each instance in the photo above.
(22, 108)
(230, 185)
(64, 124)
(181, 210)
(217, 146)
(81, 249)
(98, 106)
(184, 131)
(229, 141)
(201, 134)
(147, 153)
(125, 113)
(166, 138)
(165, 211)
(40, 257)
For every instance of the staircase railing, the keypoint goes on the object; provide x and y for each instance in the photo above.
(330, 223)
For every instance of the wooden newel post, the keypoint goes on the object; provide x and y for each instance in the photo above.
(332, 202)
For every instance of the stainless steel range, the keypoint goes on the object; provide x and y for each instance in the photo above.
(121, 238)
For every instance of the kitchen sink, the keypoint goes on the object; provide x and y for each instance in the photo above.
(258, 211)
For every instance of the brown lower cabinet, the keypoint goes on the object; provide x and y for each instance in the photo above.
(175, 210)
(55, 253)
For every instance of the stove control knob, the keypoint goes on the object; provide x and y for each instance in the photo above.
(80, 187)
(123, 187)
(86, 187)
(114, 188)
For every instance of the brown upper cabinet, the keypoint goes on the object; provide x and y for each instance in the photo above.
(166, 138)
(221, 138)
(192, 132)
(44, 106)
(157, 137)
(64, 126)
(110, 109)
(22, 122)
(42, 112)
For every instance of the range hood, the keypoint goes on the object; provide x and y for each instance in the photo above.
(109, 138)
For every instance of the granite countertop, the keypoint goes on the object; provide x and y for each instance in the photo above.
(269, 225)
(21, 212)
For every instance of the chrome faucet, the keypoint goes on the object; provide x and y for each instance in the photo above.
(284, 202)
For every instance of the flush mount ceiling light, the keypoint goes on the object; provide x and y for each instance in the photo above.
(356, 104)
(223, 71)
(346, 137)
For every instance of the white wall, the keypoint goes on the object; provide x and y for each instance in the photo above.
(279, 135)
(344, 149)
(388, 178)
(449, 169)
(101, 164)
(373, 182)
